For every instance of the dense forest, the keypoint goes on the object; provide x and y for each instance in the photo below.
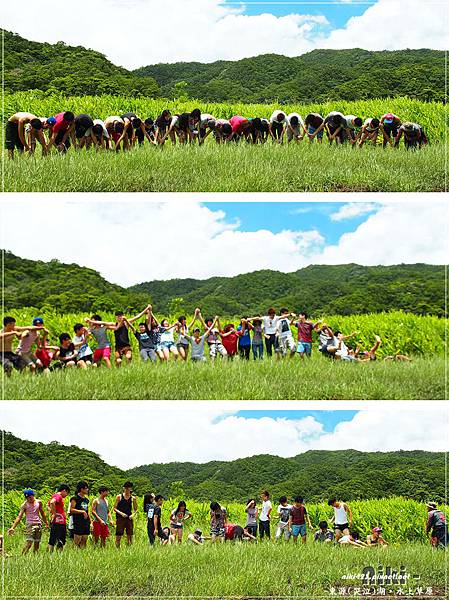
(319, 289)
(317, 474)
(58, 68)
(317, 76)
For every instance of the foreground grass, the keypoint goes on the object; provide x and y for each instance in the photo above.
(230, 570)
(317, 379)
(232, 168)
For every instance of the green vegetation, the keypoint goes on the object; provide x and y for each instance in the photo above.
(317, 379)
(317, 474)
(54, 287)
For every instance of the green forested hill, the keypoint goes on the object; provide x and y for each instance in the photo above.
(70, 70)
(317, 76)
(319, 289)
(316, 474)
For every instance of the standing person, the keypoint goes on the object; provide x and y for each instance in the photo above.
(147, 347)
(324, 534)
(34, 516)
(375, 537)
(414, 135)
(283, 514)
(101, 516)
(284, 337)
(257, 341)
(369, 131)
(265, 515)
(182, 343)
(178, 517)
(125, 508)
(79, 510)
(252, 515)
(218, 521)
(15, 133)
(58, 519)
(79, 340)
(297, 521)
(305, 329)
(213, 337)
(154, 527)
(230, 338)
(389, 124)
(269, 323)
(244, 341)
(342, 518)
(198, 341)
(314, 126)
(62, 130)
(437, 526)
(100, 335)
(278, 123)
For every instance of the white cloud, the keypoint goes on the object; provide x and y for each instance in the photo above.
(204, 430)
(152, 31)
(353, 210)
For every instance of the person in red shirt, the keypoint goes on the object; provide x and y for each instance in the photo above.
(63, 128)
(236, 532)
(230, 339)
(305, 329)
(58, 519)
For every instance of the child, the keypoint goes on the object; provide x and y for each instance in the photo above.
(27, 341)
(257, 341)
(177, 519)
(197, 537)
(100, 334)
(197, 342)
(342, 518)
(283, 512)
(297, 521)
(58, 518)
(46, 353)
(264, 517)
(305, 329)
(235, 533)
(229, 338)
(101, 516)
(341, 349)
(324, 534)
(218, 520)
(66, 353)
(34, 515)
(213, 339)
(166, 344)
(83, 349)
(284, 336)
(182, 343)
(244, 342)
(351, 539)
(154, 527)
(252, 513)
(147, 347)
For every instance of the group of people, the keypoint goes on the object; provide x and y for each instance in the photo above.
(121, 132)
(94, 518)
(257, 336)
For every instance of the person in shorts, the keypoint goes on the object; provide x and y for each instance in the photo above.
(29, 337)
(178, 517)
(182, 343)
(283, 514)
(8, 358)
(15, 133)
(83, 350)
(314, 126)
(305, 329)
(101, 516)
(213, 338)
(389, 124)
(284, 337)
(218, 520)
(102, 351)
(58, 519)
(414, 136)
(62, 131)
(147, 347)
(324, 534)
(252, 515)
(166, 345)
(154, 526)
(197, 340)
(125, 508)
(79, 510)
(34, 517)
(297, 521)
(342, 518)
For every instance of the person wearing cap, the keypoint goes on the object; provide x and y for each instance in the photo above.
(389, 125)
(34, 517)
(369, 131)
(15, 138)
(437, 526)
(62, 129)
(29, 338)
(413, 134)
(375, 537)
(197, 537)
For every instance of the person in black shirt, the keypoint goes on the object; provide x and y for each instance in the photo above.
(134, 129)
(66, 354)
(79, 511)
(154, 527)
(126, 509)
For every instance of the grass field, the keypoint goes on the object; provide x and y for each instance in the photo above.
(232, 168)
(317, 379)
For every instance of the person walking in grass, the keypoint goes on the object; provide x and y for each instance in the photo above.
(375, 538)
(284, 337)
(297, 520)
(437, 526)
(79, 510)
(101, 516)
(252, 515)
(218, 521)
(34, 517)
(125, 508)
(283, 515)
(178, 517)
(100, 334)
(265, 515)
(342, 518)
(154, 526)
(324, 535)
(58, 519)
(305, 330)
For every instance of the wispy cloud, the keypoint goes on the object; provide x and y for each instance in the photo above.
(353, 210)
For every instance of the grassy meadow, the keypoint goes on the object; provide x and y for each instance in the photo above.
(273, 569)
(300, 167)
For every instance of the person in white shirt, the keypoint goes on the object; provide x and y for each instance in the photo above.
(342, 518)
(277, 124)
(283, 514)
(264, 515)
(342, 351)
(284, 336)
(269, 328)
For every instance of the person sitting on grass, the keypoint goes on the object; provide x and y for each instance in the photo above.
(297, 520)
(283, 514)
(15, 138)
(34, 517)
(8, 358)
(218, 521)
(28, 339)
(341, 349)
(178, 517)
(352, 539)
(414, 136)
(236, 533)
(198, 341)
(46, 353)
(170, 537)
(342, 518)
(324, 534)
(100, 334)
(367, 355)
(101, 516)
(437, 526)
(284, 337)
(66, 354)
(197, 537)
(84, 351)
(375, 538)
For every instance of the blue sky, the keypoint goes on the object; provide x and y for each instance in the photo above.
(337, 13)
(328, 418)
(279, 216)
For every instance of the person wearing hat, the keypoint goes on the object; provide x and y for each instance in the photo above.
(375, 537)
(389, 125)
(29, 338)
(197, 537)
(413, 134)
(437, 526)
(34, 516)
